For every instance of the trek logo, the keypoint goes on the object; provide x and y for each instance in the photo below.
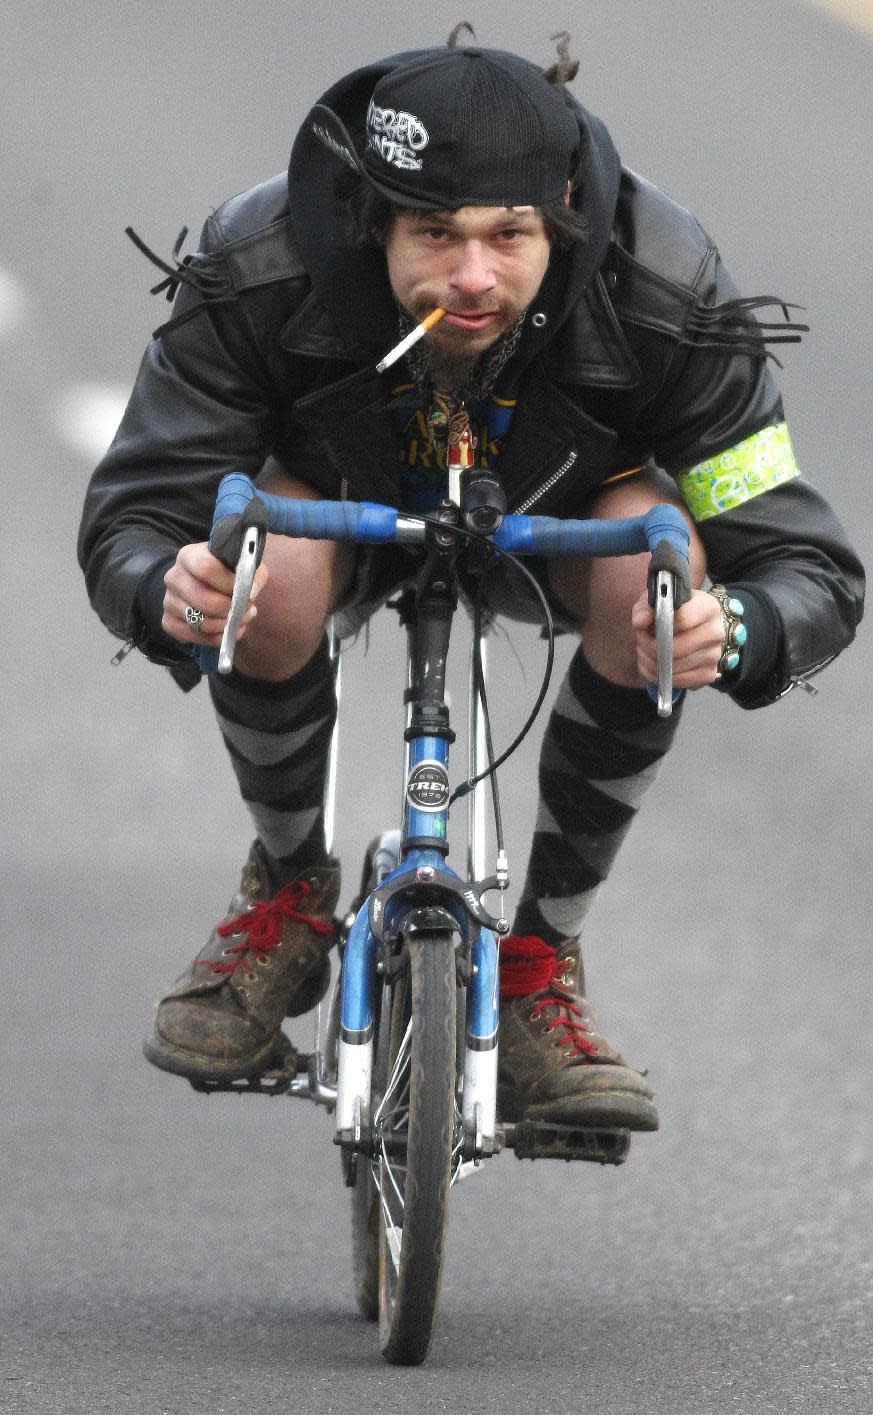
(397, 137)
(428, 787)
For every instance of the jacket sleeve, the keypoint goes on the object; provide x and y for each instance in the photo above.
(773, 541)
(201, 406)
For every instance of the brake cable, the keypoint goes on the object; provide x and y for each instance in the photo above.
(479, 688)
(479, 682)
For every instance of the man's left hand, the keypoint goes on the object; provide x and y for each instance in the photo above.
(697, 640)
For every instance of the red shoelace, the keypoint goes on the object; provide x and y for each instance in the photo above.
(529, 966)
(262, 926)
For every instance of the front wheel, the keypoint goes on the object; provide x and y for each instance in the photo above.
(418, 1138)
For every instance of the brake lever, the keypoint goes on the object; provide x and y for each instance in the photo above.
(669, 587)
(664, 610)
(242, 589)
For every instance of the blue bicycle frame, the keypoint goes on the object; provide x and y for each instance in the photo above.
(422, 892)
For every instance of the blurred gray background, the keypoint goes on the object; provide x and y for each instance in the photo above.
(164, 1253)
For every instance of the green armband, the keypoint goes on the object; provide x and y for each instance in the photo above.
(756, 465)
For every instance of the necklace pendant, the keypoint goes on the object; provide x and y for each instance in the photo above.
(461, 443)
(440, 411)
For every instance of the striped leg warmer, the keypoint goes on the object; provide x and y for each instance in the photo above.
(278, 736)
(600, 754)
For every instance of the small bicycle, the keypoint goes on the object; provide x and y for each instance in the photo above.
(406, 1057)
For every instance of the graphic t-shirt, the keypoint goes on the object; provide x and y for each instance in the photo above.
(422, 449)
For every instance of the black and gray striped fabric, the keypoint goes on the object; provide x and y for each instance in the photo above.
(600, 754)
(278, 737)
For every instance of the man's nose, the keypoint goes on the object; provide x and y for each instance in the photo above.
(473, 273)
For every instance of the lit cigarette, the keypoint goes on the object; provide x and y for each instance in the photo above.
(418, 333)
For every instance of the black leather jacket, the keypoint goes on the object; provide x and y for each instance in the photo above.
(643, 353)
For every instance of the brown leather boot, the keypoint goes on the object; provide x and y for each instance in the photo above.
(221, 1020)
(554, 1063)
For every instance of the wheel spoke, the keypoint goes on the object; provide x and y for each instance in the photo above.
(403, 1055)
(393, 1231)
(389, 1118)
(394, 1238)
(392, 1116)
(458, 1146)
(388, 1168)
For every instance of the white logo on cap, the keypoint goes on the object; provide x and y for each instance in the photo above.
(397, 137)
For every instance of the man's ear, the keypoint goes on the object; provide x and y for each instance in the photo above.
(568, 193)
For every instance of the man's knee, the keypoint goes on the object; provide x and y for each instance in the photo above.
(635, 495)
(607, 588)
(600, 593)
(307, 580)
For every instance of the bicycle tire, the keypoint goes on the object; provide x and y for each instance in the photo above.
(414, 1167)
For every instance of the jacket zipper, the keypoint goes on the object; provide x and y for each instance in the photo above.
(801, 680)
(127, 647)
(547, 485)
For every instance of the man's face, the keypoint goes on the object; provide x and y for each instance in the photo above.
(482, 264)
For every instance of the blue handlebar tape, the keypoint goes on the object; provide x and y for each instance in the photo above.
(364, 522)
(549, 535)
(368, 522)
(234, 494)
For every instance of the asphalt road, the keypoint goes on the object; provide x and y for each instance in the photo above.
(160, 1252)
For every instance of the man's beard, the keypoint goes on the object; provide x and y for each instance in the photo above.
(450, 371)
(466, 379)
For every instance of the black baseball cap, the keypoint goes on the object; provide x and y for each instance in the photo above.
(460, 127)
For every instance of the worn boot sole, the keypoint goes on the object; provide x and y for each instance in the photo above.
(610, 1110)
(194, 1066)
(607, 1107)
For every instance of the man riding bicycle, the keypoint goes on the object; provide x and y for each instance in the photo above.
(595, 355)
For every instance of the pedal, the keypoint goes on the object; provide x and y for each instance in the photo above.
(280, 1068)
(533, 1140)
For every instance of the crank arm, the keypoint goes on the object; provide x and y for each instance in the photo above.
(242, 588)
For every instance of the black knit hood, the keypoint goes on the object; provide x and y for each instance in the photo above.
(353, 285)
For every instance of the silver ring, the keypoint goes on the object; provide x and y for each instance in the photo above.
(193, 617)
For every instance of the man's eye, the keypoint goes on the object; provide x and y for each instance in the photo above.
(435, 233)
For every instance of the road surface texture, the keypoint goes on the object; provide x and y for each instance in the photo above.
(165, 1254)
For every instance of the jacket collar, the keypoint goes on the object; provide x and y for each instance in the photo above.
(310, 333)
(349, 430)
(589, 350)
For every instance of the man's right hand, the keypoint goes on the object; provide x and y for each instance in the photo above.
(200, 581)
